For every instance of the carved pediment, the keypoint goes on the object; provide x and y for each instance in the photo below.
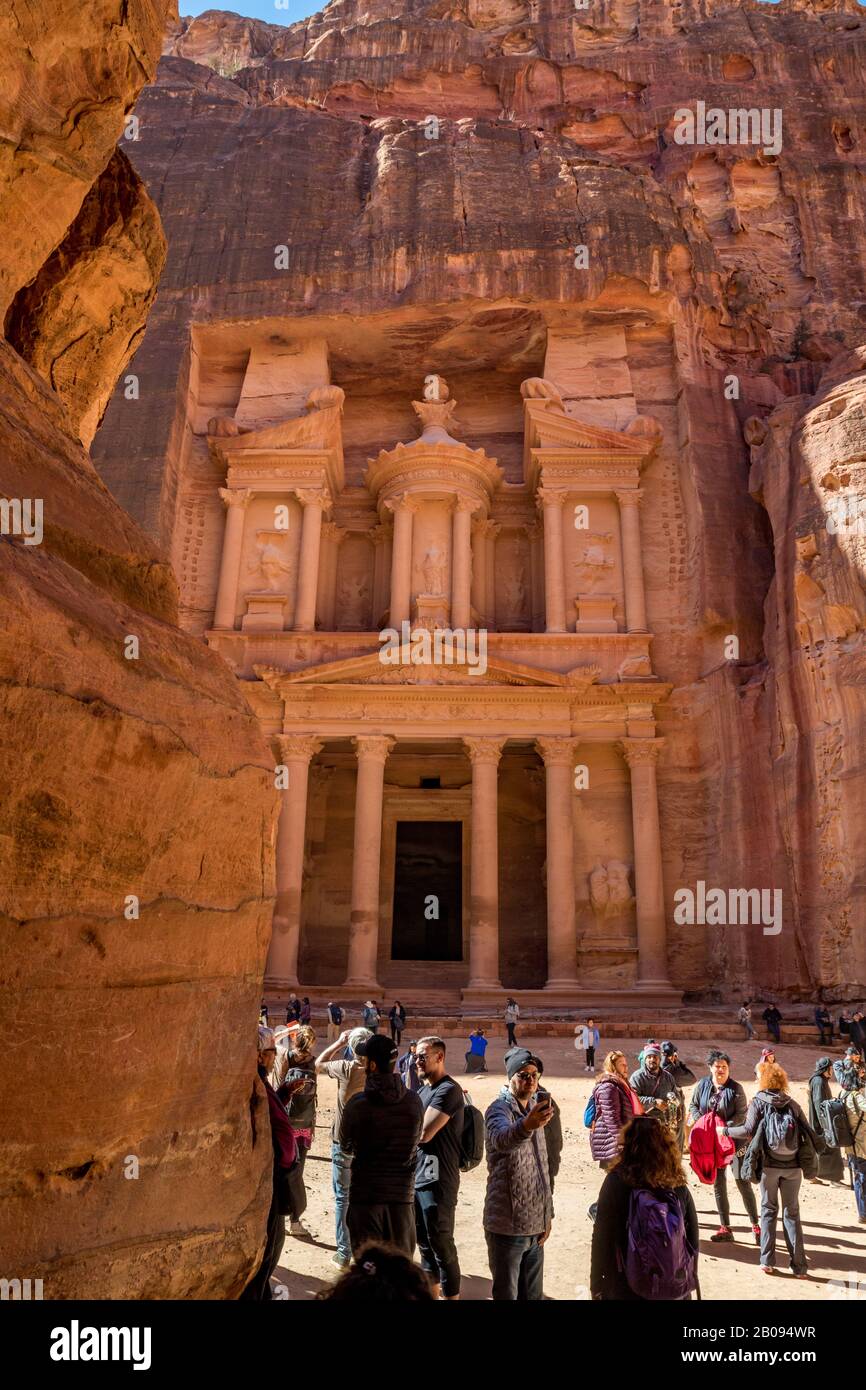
(548, 427)
(370, 669)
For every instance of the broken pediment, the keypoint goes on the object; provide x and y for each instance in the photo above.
(551, 434)
(319, 432)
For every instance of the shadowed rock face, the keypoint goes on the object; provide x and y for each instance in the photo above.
(136, 824)
(456, 254)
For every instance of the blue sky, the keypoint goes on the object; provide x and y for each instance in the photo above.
(257, 9)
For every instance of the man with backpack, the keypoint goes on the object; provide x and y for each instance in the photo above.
(849, 1070)
(518, 1205)
(681, 1076)
(437, 1172)
(830, 1166)
(335, 1021)
(787, 1144)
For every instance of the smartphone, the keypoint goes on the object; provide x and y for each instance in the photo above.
(544, 1100)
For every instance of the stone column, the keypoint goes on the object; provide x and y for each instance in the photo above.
(295, 752)
(641, 755)
(372, 750)
(479, 571)
(484, 754)
(314, 501)
(235, 500)
(632, 560)
(536, 563)
(559, 756)
(491, 531)
(380, 537)
(461, 563)
(551, 501)
(332, 538)
(404, 508)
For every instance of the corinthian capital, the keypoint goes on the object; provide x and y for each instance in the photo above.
(550, 497)
(297, 747)
(638, 752)
(235, 496)
(484, 750)
(313, 497)
(405, 502)
(557, 752)
(631, 498)
(373, 747)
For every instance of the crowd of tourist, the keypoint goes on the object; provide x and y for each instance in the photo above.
(404, 1131)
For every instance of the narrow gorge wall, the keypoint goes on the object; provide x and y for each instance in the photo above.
(415, 247)
(137, 821)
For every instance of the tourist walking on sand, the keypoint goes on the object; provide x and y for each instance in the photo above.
(587, 1038)
(350, 1075)
(615, 1104)
(518, 1204)
(301, 1109)
(380, 1127)
(824, 1024)
(644, 1194)
(335, 1021)
(408, 1067)
(855, 1105)
(511, 1016)
(371, 1015)
(773, 1020)
(285, 1154)
(744, 1017)
(397, 1020)
(719, 1094)
(437, 1172)
(830, 1164)
(788, 1143)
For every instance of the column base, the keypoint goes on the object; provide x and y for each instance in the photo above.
(660, 991)
(372, 988)
(483, 993)
(280, 984)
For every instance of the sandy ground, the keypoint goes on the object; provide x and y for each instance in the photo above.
(835, 1242)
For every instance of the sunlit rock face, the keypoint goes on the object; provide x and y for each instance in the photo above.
(136, 826)
(431, 172)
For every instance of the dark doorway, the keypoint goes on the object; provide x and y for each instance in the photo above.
(428, 891)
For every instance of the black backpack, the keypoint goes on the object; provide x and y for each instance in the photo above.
(836, 1125)
(472, 1139)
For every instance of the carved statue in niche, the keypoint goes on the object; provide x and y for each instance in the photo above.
(433, 569)
(353, 602)
(515, 597)
(270, 561)
(610, 890)
(593, 561)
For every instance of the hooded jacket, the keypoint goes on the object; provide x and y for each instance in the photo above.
(762, 1104)
(518, 1201)
(381, 1127)
(613, 1109)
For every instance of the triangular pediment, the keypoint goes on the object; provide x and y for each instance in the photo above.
(370, 669)
(548, 427)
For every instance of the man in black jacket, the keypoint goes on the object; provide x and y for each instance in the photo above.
(681, 1076)
(381, 1127)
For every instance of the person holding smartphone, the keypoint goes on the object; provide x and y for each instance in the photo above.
(518, 1204)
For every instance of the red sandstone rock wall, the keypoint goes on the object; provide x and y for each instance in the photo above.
(557, 129)
(136, 1158)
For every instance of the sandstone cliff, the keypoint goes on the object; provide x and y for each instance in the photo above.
(556, 129)
(136, 826)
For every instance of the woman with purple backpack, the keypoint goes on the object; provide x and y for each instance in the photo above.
(645, 1237)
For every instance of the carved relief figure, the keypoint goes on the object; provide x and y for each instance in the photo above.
(353, 601)
(433, 569)
(515, 597)
(610, 890)
(593, 561)
(270, 561)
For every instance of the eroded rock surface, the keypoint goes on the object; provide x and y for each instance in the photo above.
(136, 825)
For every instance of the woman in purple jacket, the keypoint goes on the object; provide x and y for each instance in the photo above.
(615, 1104)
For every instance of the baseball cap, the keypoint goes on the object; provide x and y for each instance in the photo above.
(379, 1049)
